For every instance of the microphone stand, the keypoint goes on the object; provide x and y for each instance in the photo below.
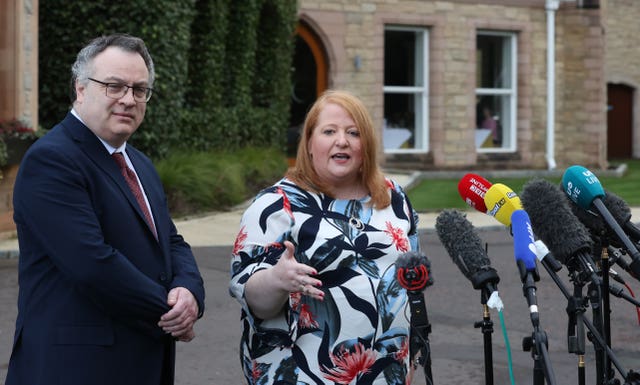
(630, 377)
(412, 270)
(414, 278)
(608, 373)
(595, 299)
(575, 330)
(486, 279)
(608, 290)
(538, 342)
(616, 257)
(420, 339)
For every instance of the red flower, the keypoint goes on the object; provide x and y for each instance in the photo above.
(396, 233)
(16, 129)
(348, 364)
(306, 318)
(256, 373)
(401, 354)
(286, 205)
(239, 242)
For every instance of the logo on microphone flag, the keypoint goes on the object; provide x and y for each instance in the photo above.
(501, 202)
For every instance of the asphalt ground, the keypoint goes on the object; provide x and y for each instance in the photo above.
(453, 308)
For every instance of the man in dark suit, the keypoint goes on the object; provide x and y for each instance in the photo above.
(107, 285)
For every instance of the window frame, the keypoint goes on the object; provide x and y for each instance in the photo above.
(421, 93)
(511, 92)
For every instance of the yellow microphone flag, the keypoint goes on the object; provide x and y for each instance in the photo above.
(501, 202)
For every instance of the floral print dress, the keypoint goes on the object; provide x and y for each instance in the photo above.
(359, 333)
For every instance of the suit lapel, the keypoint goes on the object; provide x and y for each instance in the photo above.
(95, 150)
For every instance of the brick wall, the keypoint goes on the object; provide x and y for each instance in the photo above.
(622, 57)
(357, 28)
(7, 226)
(18, 84)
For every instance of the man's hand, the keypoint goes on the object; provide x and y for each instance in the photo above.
(180, 319)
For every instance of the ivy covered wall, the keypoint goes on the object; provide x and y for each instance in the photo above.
(222, 67)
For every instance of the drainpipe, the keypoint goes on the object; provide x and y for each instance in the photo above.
(551, 7)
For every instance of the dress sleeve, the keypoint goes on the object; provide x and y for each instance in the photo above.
(264, 227)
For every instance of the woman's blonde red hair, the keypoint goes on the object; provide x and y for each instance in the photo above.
(371, 175)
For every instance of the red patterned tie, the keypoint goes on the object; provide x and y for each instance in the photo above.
(132, 181)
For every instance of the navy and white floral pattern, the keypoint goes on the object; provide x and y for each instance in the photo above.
(359, 333)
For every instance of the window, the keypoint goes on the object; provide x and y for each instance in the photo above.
(496, 80)
(406, 97)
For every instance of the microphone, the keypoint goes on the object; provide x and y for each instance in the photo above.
(412, 273)
(600, 234)
(523, 240)
(555, 224)
(568, 238)
(472, 188)
(504, 202)
(525, 254)
(622, 214)
(584, 188)
(460, 239)
(412, 270)
(506, 207)
(544, 255)
(501, 202)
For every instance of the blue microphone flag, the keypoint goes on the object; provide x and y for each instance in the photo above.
(523, 240)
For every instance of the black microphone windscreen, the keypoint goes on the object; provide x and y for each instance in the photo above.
(552, 220)
(411, 259)
(592, 220)
(459, 238)
(598, 229)
(617, 207)
(601, 233)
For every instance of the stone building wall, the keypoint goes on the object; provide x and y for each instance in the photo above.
(581, 91)
(18, 84)
(622, 55)
(356, 28)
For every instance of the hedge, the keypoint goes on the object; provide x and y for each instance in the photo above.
(222, 67)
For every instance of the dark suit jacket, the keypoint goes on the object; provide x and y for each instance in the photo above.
(93, 278)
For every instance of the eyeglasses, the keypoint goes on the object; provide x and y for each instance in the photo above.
(119, 90)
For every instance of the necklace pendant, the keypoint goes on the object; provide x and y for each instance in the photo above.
(356, 223)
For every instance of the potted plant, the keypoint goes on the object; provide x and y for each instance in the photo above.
(15, 138)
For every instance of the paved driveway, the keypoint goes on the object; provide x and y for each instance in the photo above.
(453, 307)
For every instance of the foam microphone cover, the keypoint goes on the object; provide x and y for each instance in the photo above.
(621, 212)
(601, 234)
(596, 226)
(460, 239)
(617, 207)
(553, 222)
(581, 186)
(501, 202)
(472, 188)
(591, 219)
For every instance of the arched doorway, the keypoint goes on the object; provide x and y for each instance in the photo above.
(308, 81)
(619, 121)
